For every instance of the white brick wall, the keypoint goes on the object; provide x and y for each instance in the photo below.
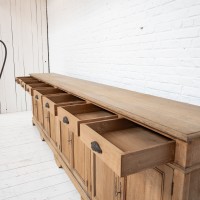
(147, 46)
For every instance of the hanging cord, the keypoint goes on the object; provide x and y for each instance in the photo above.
(4, 62)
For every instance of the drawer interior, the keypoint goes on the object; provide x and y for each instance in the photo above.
(49, 91)
(125, 146)
(63, 98)
(126, 135)
(37, 85)
(26, 81)
(87, 111)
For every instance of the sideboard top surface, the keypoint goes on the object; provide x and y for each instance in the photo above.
(176, 119)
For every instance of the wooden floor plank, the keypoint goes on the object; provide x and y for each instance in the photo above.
(27, 167)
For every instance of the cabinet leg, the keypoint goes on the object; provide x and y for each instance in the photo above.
(42, 138)
(57, 162)
(33, 123)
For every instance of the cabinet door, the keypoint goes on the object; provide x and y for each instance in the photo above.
(151, 184)
(47, 122)
(104, 181)
(66, 143)
(35, 110)
(82, 162)
(53, 125)
(40, 113)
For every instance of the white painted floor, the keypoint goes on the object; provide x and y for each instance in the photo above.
(27, 167)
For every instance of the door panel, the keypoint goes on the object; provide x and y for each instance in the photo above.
(79, 157)
(104, 181)
(151, 184)
(66, 142)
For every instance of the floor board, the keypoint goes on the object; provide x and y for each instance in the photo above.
(27, 167)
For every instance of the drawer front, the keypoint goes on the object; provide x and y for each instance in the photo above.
(37, 95)
(108, 153)
(48, 105)
(111, 146)
(52, 107)
(68, 119)
(74, 122)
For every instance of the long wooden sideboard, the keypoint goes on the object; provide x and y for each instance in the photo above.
(116, 144)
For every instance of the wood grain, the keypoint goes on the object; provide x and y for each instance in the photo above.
(176, 119)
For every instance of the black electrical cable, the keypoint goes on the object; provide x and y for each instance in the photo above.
(4, 61)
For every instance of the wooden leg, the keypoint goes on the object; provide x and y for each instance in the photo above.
(57, 162)
(42, 138)
(33, 123)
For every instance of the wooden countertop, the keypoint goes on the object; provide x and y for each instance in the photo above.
(168, 117)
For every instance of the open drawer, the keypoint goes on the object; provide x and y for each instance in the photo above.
(19, 79)
(50, 103)
(30, 87)
(76, 114)
(38, 93)
(37, 101)
(29, 81)
(126, 147)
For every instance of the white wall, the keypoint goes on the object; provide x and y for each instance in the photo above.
(147, 46)
(23, 28)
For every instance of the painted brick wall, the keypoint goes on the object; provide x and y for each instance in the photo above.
(147, 46)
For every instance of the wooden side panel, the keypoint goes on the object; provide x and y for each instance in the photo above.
(186, 186)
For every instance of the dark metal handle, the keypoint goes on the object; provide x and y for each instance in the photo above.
(47, 105)
(27, 89)
(95, 147)
(65, 120)
(36, 96)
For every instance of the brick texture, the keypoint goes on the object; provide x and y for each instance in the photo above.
(146, 46)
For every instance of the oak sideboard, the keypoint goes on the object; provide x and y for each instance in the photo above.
(117, 144)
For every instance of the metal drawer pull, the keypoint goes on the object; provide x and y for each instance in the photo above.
(36, 96)
(47, 105)
(27, 90)
(95, 147)
(65, 120)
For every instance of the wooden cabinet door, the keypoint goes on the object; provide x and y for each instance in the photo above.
(47, 122)
(104, 181)
(151, 184)
(35, 110)
(50, 125)
(40, 113)
(66, 141)
(82, 163)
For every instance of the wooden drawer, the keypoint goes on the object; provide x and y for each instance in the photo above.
(76, 114)
(30, 87)
(126, 147)
(23, 83)
(38, 93)
(50, 103)
(37, 101)
(19, 79)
